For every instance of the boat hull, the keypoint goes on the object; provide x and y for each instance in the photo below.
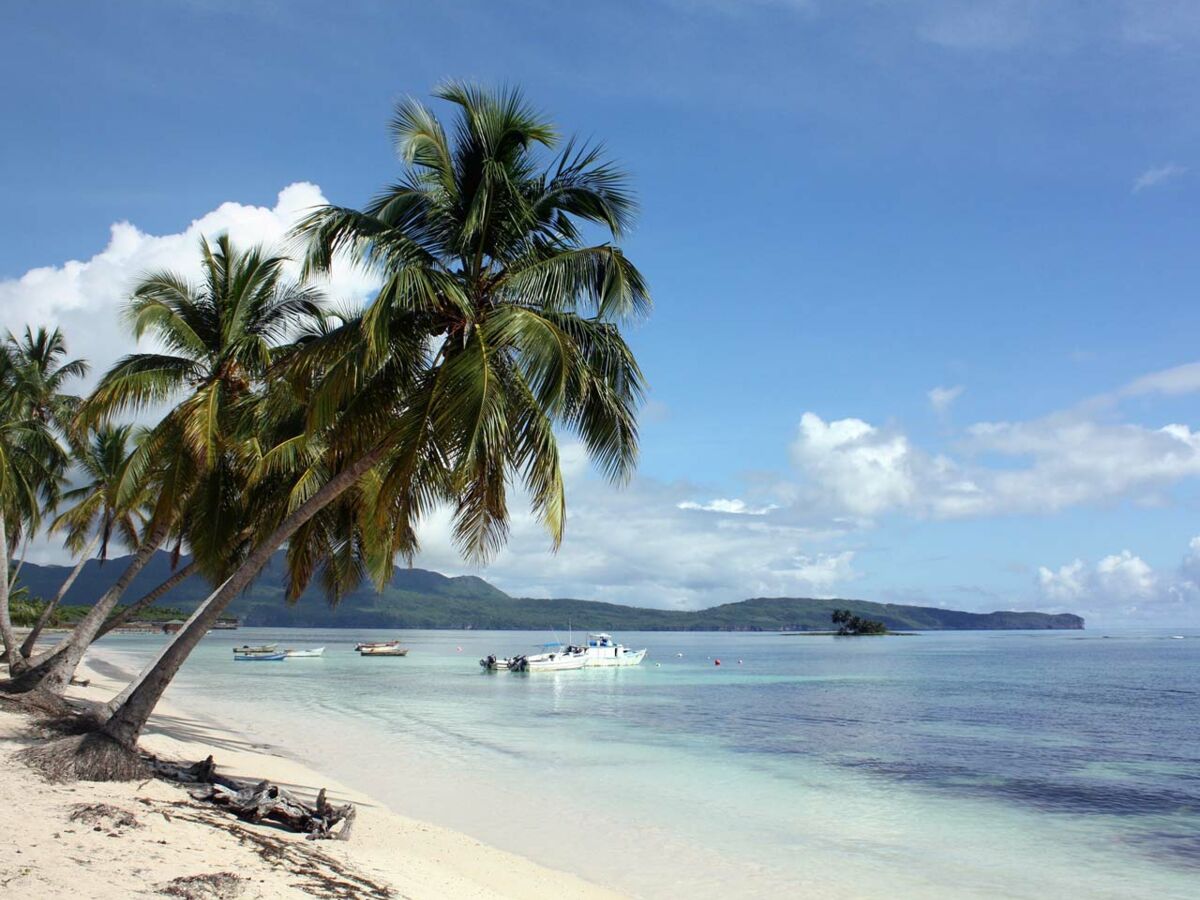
(383, 651)
(553, 662)
(306, 654)
(602, 657)
(259, 657)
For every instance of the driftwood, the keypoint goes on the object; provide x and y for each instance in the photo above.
(262, 802)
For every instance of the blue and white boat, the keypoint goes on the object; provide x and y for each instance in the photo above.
(264, 653)
(602, 650)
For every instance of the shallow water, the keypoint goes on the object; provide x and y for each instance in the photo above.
(958, 764)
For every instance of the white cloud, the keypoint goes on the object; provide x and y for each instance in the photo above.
(940, 398)
(1183, 379)
(1156, 176)
(1123, 585)
(855, 466)
(734, 507)
(1057, 462)
(84, 298)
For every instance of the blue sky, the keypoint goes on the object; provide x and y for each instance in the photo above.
(845, 207)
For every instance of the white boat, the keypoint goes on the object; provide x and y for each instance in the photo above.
(384, 650)
(558, 660)
(602, 650)
(305, 654)
(374, 644)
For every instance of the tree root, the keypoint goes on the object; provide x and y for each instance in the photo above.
(88, 757)
(36, 701)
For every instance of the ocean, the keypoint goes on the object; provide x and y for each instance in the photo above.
(952, 764)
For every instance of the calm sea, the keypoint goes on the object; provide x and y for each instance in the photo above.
(998, 764)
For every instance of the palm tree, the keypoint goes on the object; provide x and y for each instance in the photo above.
(496, 323)
(221, 337)
(40, 375)
(100, 508)
(31, 464)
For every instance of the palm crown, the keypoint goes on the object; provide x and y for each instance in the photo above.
(99, 506)
(219, 339)
(480, 248)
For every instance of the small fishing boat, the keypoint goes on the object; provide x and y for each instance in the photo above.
(274, 656)
(602, 650)
(305, 654)
(384, 650)
(247, 649)
(370, 644)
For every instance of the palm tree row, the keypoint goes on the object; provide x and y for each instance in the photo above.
(332, 434)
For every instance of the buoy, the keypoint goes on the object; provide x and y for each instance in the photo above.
(459, 649)
(658, 665)
(679, 654)
(739, 662)
(716, 662)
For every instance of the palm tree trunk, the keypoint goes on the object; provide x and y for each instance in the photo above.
(133, 707)
(138, 605)
(53, 670)
(6, 627)
(12, 582)
(35, 633)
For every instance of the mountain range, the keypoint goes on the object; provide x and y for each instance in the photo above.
(418, 598)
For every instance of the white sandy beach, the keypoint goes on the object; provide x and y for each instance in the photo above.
(155, 834)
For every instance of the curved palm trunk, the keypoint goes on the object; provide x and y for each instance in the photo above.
(148, 600)
(53, 670)
(44, 618)
(132, 708)
(6, 627)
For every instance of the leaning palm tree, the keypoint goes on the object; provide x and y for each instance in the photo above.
(496, 323)
(219, 337)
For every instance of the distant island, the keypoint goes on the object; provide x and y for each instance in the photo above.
(417, 598)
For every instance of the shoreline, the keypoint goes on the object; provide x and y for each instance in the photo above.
(387, 850)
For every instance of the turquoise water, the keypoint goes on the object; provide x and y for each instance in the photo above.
(998, 764)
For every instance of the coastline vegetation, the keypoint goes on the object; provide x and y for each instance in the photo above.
(850, 625)
(295, 424)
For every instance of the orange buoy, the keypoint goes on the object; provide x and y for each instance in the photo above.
(716, 662)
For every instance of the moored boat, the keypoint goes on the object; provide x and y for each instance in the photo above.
(383, 650)
(558, 660)
(248, 649)
(274, 656)
(602, 650)
(305, 654)
(368, 644)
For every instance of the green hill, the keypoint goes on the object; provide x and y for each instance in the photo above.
(417, 598)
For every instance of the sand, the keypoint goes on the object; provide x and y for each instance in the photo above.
(106, 840)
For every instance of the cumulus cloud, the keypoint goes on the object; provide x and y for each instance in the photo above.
(940, 398)
(1124, 585)
(85, 297)
(1057, 462)
(1157, 176)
